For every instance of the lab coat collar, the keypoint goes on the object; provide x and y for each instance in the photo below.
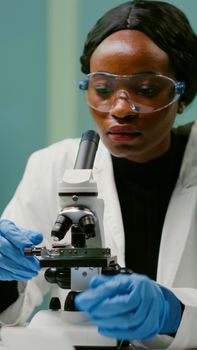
(113, 225)
(180, 216)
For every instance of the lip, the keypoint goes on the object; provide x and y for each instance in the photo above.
(122, 133)
(122, 129)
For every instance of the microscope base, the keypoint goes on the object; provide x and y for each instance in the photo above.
(76, 325)
(95, 348)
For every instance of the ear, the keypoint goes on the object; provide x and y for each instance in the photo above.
(181, 107)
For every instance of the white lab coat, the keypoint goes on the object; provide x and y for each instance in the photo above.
(35, 205)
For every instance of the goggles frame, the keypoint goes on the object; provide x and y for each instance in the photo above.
(178, 85)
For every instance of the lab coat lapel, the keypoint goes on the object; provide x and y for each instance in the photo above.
(113, 226)
(178, 224)
(180, 215)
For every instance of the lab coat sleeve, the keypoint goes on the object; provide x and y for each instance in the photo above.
(29, 207)
(35, 206)
(186, 336)
(30, 295)
(25, 209)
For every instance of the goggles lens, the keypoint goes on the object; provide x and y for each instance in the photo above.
(145, 93)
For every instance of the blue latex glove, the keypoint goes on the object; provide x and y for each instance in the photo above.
(13, 264)
(130, 307)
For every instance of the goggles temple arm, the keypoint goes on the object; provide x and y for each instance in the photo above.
(180, 87)
(83, 84)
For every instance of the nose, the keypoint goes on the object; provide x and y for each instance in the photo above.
(122, 106)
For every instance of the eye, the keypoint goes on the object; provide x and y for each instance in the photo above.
(103, 90)
(148, 90)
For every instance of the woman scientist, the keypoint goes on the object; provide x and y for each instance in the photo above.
(140, 61)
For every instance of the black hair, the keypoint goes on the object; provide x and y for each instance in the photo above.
(164, 24)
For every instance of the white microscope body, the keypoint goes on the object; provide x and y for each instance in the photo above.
(72, 266)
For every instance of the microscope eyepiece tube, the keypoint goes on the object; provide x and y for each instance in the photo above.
(87, 150)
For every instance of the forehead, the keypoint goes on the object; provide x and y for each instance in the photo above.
(129, 52)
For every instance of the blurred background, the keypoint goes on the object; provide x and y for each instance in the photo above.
(41, 42)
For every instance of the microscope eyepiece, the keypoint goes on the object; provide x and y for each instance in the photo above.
(87, 150)
(84, 160)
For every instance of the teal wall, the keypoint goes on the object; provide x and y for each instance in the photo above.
(23, 82)
(41, 42)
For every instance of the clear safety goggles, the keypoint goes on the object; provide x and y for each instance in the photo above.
(145, 93)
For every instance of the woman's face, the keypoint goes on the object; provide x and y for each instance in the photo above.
(126, 134)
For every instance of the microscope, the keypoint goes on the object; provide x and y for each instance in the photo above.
(72, 265)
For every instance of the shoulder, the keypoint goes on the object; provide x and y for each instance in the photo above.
(58, 152)
(53, 160)
(184, 130)
(188, 173)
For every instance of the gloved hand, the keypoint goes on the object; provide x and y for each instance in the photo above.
(13, 264)
(130, 307)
